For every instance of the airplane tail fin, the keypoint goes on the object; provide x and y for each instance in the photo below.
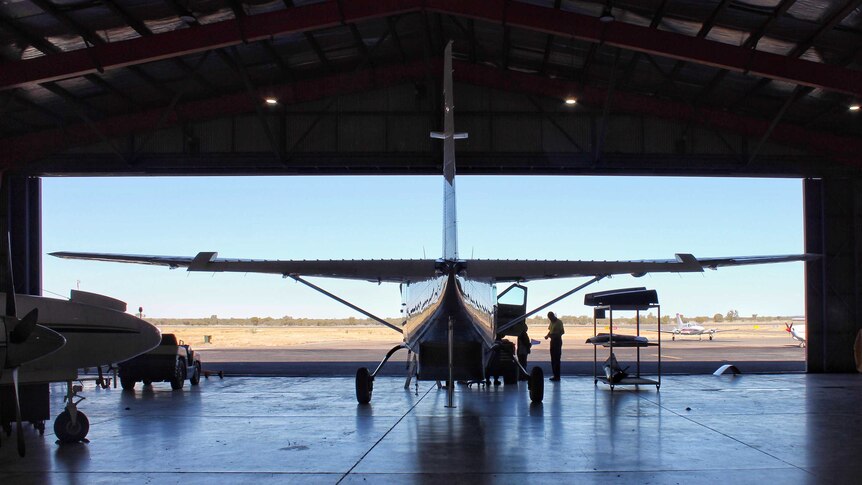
(450, 221)
(679, 321)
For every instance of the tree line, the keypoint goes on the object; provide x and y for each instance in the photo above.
(626, 318)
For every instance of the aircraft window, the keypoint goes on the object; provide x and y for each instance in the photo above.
(515, 295)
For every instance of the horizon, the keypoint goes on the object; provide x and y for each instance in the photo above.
(382, 217)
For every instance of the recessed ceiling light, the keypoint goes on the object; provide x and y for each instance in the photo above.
(571, 101)
(271, 101)
(855, 107)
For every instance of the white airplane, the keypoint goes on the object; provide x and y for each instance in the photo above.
(690, 328)
(798, 333)
(97, 332)
(453, 320)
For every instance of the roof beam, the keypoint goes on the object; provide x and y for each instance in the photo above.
(701, 34)
(803, 46)
(33, 146)
(521, 15)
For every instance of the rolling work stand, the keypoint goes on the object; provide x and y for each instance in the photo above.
(628, 299)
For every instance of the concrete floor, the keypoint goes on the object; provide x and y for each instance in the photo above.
(786, 428)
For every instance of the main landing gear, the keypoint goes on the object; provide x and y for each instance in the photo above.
(364, 385)
(365, 379)
(537, 385)
(72, 426)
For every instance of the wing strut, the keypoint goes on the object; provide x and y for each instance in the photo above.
(567, 294)
(347, 303)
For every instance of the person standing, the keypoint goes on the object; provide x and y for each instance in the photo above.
(555, 333)
(523, 351)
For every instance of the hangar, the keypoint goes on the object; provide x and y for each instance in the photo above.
(763, 88)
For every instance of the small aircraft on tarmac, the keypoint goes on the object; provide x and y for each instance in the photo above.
(454, 318)
(797, 333)
(689, 328)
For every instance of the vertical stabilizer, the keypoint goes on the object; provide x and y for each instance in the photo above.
(450, 226)
(679, 323)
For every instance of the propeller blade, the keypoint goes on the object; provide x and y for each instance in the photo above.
(11, 310)
(19, 428)
(41, 342)
(24, 327)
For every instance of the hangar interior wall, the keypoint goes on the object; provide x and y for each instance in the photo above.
(24, 216)
(833, 228)
(387, 131)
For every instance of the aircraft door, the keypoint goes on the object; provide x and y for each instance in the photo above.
(512, 303)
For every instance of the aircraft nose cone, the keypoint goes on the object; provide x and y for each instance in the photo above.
(42, 341)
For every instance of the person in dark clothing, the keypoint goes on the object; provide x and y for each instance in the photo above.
(523, 351)
(555, 333)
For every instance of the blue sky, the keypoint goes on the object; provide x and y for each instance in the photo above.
(524, 217)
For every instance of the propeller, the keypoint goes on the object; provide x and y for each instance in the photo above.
(19, 430)
(25, 340)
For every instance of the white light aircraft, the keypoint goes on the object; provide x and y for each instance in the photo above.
(98, 332)
(797, 332)
(453, 316)
(690, 328)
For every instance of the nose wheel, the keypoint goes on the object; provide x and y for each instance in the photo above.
(72, 426)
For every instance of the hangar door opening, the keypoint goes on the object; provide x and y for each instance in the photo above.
(233, 317)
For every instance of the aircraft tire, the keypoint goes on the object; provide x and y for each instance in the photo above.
(127, 383)
(195, 379)
(68, 433)
(178, 379)
(364, 385)
(537, 385)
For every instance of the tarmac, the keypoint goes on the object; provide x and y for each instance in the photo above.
(776, 428)
(688, 355)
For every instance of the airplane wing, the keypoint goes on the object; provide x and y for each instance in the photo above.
(400, 270)
(525, 270)
(384, 270)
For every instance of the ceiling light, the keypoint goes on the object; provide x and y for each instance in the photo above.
(271, 101)
(571, 101)
(855, 107)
